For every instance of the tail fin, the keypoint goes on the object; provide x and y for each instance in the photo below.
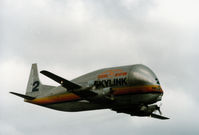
(35, 87)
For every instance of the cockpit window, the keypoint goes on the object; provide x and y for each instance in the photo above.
(157, 81)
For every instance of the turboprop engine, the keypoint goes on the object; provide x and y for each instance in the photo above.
(147, 110)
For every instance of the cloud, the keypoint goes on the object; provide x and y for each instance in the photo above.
(71, 38)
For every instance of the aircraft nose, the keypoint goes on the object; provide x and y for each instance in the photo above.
(142, 75)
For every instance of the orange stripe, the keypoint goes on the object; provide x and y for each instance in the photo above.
(138, 89)
(55, 99)
(117, 91)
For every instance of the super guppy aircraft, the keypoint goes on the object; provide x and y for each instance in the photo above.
(130, 89)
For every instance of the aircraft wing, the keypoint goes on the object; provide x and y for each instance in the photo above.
(158, 116)
(84, 92)
(65, 83)
(132, 114)
(70, 86)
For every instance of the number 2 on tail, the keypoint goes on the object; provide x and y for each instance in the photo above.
(35, 86)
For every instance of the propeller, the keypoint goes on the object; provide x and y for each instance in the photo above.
(158, 109)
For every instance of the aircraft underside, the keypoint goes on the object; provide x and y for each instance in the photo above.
(124, 101)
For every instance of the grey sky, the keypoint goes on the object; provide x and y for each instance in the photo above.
(71, 38)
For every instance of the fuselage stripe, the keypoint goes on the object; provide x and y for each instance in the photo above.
(68, 97)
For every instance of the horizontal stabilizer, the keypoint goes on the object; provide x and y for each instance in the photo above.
(65, 83)
(158, 116)
(23, 96)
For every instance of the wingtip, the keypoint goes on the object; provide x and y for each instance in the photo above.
(43, 71)
(159, 117)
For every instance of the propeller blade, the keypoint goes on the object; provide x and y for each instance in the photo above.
(159, 111)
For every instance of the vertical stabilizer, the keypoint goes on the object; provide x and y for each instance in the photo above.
(33, 82)
(35, 87)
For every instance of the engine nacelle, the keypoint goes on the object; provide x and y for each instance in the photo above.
(146, 110)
